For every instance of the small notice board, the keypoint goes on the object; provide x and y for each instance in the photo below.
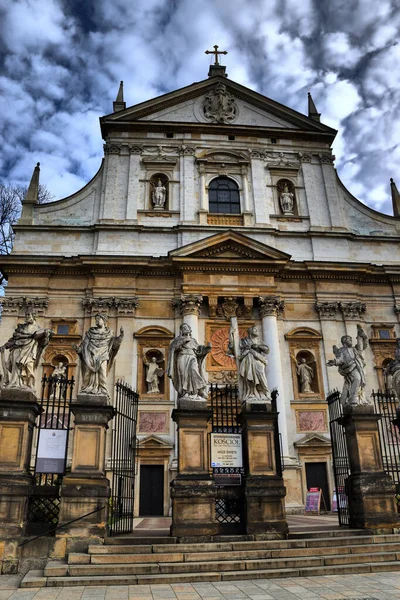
(52, 450)
(313, 501)
(226, 450)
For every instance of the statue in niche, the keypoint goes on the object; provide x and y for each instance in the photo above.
(25, 349)
(97, 352)
(250, 353)
(351, 363)
(305, 375)
(60, 371)
(392, 371)
(287, 200)
(153, 374)
(159, 196)
(186, 366)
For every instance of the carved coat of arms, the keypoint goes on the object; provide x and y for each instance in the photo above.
(219, 105)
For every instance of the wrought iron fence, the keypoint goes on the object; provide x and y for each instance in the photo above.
(54, 421)
(280, 465)
(341, 465)
(387, 406)
(123, 459)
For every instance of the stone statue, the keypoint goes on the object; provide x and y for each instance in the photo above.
(159, 195)
(305, 374)
(97, 352)
(186, 365)
(251, 358)
(153, 374)
(351, 365)
(393, 371)
(25, 349)
(287, 201)
(60, 372)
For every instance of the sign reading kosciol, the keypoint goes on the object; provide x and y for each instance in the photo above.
(226, 450)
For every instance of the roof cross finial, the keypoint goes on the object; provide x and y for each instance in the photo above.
(216, 52)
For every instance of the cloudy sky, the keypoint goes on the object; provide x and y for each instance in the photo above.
(61, 62)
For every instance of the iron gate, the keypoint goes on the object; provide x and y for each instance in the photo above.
(229, 502)
(341, 465)
(387, 406)
(123, 459)
(44, 498)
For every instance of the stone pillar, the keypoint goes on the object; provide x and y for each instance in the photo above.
(264, 488)
(258, 185)
(193, 490)
(133, 183)
(269, 307)
(371, 491)
(190, 310)
(19, 409)
(87, 488)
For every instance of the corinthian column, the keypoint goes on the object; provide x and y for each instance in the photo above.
(269, 307)
(189, 306)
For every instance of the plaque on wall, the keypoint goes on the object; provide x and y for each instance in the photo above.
(153, 422)
(52, 451)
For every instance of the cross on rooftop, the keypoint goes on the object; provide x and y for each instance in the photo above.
(216, 52)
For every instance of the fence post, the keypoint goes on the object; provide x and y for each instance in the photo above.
(19, 409)
(193, 491)
(371, 491)
(87, 488)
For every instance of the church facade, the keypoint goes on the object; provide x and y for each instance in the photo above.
(213, 201)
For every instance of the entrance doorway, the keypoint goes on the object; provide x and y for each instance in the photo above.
(151, 502)
(316, 476)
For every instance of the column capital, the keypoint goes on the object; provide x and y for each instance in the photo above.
(352, 310)
(327, 310)
(270, 305)
(188, 304)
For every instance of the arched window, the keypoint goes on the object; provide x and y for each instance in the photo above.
(223, 196)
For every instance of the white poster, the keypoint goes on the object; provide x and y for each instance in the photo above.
(226, 450)
(51, 452)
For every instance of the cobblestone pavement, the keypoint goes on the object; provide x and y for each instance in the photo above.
(369, 586)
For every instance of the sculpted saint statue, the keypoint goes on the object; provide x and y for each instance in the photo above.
(159, 195)
(97, 352)
(25, 349)
(351, 365)
(305, 375)
(392, 371)
(153, 374)
(287, 200)
(186, 365)
(251, 357)
(60, 372)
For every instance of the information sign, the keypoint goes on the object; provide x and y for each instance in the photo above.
(52, 448)
(227, 479)
(226, 450)
(313, 501)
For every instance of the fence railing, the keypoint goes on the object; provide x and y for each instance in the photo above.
(340, 459)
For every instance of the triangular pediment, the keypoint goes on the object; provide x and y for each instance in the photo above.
(229, 246)
(154, 441)
(189, 105)
(313, 440)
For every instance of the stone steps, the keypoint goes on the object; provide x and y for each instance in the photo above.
(233, 559)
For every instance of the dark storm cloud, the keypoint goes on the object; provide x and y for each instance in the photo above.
(61, 62)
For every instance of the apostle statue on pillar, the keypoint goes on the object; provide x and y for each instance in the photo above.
(97, 352)
(186, 366)
(250, 353)
(351, 363)
(25, 348)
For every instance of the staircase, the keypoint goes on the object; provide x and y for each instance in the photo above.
(130, 561)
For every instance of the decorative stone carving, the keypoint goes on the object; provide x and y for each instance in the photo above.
(219, 105)
(186, 366)
(270, 305)
(351, 363)
(305, 157)
(286, 197)
(123, 306)
(112, 148)
(392, 371)
(159, 194)
(186, 150)
(223, 377)
(97, 352)
(326, 158)
(282, 160)
(188, 304)
(251, 357)
(327, 310)
(153, 373)
(135, 149)
(352, 310)
(257, 153)
(22, 304)
(25, 349)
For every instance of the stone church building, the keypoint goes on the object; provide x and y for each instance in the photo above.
(213, 201)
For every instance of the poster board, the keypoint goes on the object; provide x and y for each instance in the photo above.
(52, 450)
(313, 501)
(226, 450)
